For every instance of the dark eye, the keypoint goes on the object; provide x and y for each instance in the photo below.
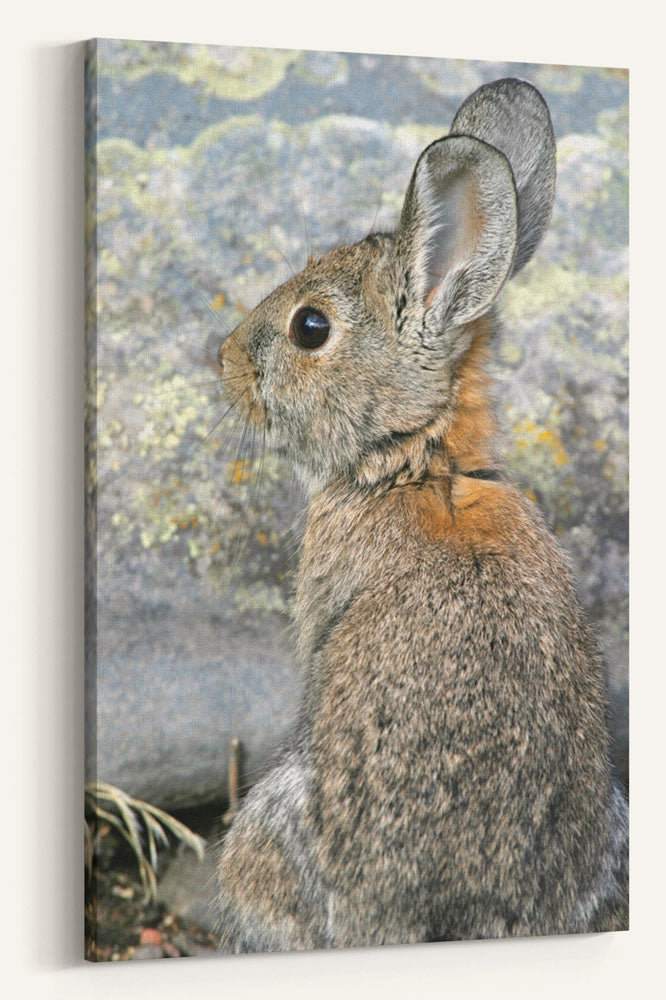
(309, 328)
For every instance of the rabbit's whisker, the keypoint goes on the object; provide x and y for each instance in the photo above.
(218, 422)
(225, 443)
(378, 209)
(255, 490)
(199, 347)
(167, 390)
(204, 301)
(237, 462)
(307, 235)
(247, 467)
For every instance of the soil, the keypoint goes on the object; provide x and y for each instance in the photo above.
(122, 922)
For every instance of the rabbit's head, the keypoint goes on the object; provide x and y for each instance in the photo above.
(360, 350)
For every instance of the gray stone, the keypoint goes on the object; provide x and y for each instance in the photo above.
(168, 709)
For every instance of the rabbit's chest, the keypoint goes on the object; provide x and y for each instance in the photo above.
(340, 563)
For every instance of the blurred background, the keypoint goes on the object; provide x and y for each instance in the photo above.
(217, 172)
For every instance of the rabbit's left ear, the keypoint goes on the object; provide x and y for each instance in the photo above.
(457, 237)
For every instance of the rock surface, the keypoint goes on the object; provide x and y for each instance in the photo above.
(218, 170)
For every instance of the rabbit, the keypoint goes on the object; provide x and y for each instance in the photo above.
(449, 776)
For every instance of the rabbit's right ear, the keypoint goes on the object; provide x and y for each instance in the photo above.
(457, 238)
(512, 115)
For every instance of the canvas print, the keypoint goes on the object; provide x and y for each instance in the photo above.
(356, 500)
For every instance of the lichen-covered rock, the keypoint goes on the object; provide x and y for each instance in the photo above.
(218, 171)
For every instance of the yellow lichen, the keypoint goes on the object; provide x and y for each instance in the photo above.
(239, 472)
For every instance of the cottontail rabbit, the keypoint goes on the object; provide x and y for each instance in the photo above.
(449, 776)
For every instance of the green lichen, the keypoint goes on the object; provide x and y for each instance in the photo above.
(559, 79)
(566, 452)
(453, 77)
(613, 127)
(234, 74)
(322, 68)
(511, 353)
(545, 288)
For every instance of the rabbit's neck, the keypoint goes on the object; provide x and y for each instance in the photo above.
(459, 439)
(470, 438)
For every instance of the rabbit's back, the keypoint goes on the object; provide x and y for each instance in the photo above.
(458, 734)
(450, 775)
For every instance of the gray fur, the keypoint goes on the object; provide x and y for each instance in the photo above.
(513, 116)
(449, 776)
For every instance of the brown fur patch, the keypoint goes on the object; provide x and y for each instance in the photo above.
(470, 514)
(469, 439)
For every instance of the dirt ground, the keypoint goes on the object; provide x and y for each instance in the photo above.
(123, 923)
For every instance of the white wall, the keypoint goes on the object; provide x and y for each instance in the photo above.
(41, 358)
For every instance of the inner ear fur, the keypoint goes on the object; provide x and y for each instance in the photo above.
(458, 230)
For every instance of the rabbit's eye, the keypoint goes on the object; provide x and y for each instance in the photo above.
(309, 328)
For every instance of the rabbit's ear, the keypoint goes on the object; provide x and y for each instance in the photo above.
(457, 236)
(513, 117)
